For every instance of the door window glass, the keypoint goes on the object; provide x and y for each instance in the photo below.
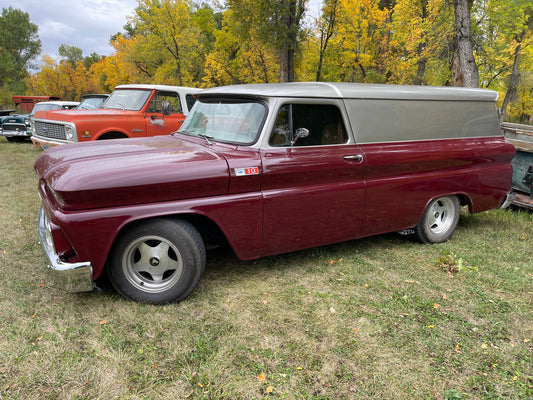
(171, 97)
(322, 122)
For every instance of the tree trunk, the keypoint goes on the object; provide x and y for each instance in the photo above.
(292, 13)
(513, 83)
(422, 61)
(326, 33)
(465, 53)
(284, 72)
(457, 74)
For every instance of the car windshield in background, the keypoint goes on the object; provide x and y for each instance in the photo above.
(231, 120)
(45, 107)
(91, 103)
(127, 99)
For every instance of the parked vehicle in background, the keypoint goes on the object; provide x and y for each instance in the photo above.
(17, 127)
(92, 101)
(26, 103)
(521, 136)
(269, 169)
(130, 111)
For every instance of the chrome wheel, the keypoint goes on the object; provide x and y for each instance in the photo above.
(439, 220)
(157, 261)
(441, 215)
(152, 264)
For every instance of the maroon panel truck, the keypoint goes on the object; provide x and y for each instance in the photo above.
(269, 169)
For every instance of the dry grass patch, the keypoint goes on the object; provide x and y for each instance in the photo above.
(377, 318)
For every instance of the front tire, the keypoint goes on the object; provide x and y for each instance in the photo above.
(439, 220)
(160, 261)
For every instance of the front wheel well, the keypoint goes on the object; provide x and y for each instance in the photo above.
(112, 135)
(211, 234)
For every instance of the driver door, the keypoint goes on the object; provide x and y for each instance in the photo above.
(313, 188)
(157, 121)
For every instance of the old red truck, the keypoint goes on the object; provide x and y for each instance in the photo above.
(269, 169)
(130, 111)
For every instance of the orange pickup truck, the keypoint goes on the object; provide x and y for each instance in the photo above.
(130, 111)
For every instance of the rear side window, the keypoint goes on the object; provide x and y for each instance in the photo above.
(323, 122)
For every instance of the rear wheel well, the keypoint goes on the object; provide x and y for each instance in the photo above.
(112, 135)
(465, 200)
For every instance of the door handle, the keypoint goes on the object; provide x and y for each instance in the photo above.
(357, 157)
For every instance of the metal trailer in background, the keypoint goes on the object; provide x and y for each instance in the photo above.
(521, 136)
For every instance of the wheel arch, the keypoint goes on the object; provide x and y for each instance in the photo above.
(112, 135)
(464, 200)
(210, 232)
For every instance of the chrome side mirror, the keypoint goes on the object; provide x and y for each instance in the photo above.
(300, 133)
(165, 107)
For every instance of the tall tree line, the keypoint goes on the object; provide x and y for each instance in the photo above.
(485, 43)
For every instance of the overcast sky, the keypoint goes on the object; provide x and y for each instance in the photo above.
(87, 24)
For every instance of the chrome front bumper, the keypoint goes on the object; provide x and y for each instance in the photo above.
(44, 143)
(72, 277)
(21, 133)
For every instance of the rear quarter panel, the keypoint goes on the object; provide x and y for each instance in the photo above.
(402, 178)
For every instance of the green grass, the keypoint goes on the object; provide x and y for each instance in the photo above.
(378, 318)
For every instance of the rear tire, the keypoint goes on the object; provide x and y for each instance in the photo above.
(160, 261)
(439, 220)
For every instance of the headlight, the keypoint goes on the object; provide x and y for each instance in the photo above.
(69, 133)
(27, 122)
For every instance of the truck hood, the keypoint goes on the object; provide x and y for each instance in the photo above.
(130, 171)
(71, 115)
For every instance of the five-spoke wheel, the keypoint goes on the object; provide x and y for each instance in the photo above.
(157, 262)
(439, 220)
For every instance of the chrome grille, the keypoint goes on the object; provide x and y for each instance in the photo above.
(53, 131)
(14, 127)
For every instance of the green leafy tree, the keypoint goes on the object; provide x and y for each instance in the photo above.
(422, 42)
(241, 54)
(19, 47)
(362, 37)
(167, 38)
(71, 54)
(268, 27)
(505, 35)
(326, 28)
(91, 59)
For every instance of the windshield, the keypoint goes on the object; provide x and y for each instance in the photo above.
(127, 99)
(227, 120)
(44, 107)
(91, 103)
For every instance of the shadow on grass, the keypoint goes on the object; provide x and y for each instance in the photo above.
(222, 261)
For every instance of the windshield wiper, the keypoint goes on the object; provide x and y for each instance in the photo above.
(206, 137)
(202, 135)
